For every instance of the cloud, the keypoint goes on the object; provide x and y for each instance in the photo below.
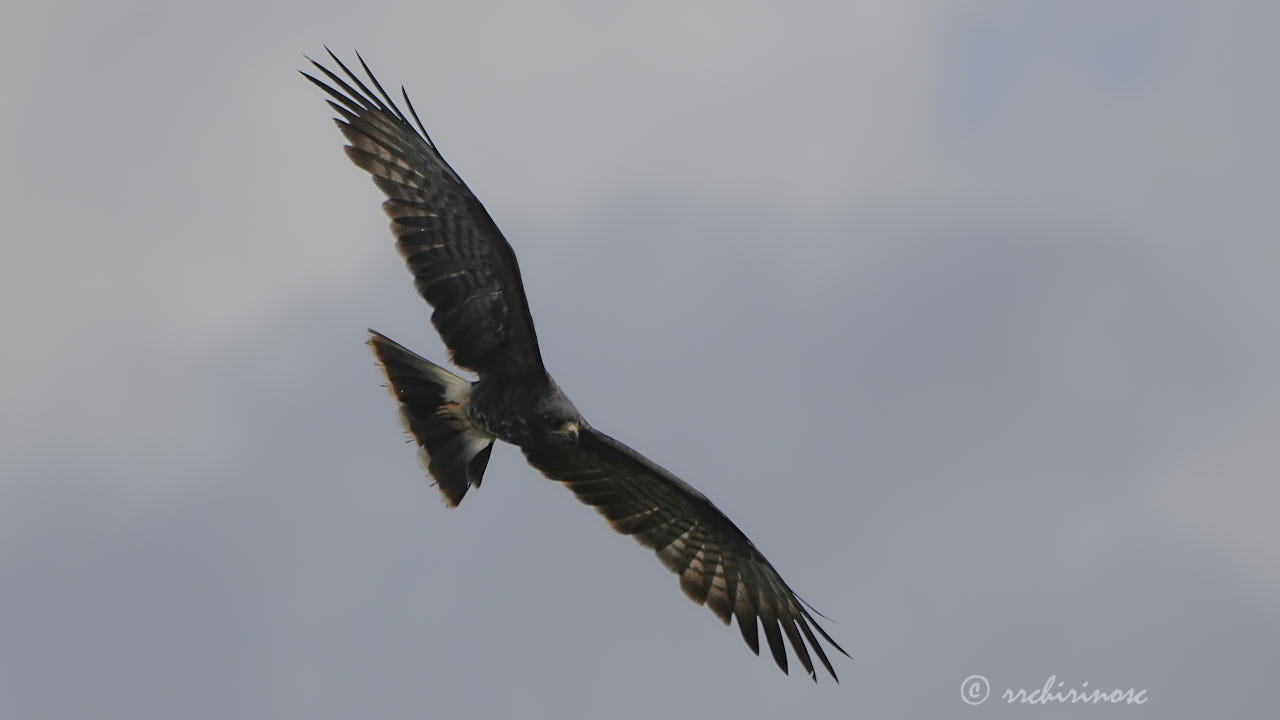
(962, 313)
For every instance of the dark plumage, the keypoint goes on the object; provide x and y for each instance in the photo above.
(466, 270)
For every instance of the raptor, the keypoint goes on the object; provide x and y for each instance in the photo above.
(466, 270)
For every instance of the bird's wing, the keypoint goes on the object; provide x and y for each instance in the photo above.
(461, 263)
(716, 562)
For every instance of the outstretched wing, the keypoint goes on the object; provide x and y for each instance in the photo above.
(716, 562)
(461, 263)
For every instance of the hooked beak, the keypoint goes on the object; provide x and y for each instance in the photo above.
(568, 432)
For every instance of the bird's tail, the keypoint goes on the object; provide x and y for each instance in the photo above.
(432, 402)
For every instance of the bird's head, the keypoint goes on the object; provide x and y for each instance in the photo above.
(558, 421)
(562, 433)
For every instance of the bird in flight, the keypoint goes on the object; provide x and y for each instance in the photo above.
(466, 270)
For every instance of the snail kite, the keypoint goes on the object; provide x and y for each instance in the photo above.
(466, 270)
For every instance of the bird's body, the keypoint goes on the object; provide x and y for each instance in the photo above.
(467, 271)
(525, 415)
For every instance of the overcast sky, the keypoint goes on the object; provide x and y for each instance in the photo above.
(965, 312)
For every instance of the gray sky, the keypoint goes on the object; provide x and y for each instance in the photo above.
(964, 312)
